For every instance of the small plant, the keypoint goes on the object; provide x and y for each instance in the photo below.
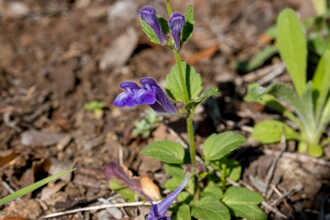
(202, 189)
(145, 126)
(308, 105)
(95, 106)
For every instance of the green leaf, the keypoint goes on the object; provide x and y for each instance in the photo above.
(271, 32)
(315, 150)
(173, 183)
(260, 58)
(173, 170)
(218, 146)
(210, 208)
(183, 213)
(321, 82)
(320, 6)
(94, 105)
(115, 184)
(293, 47)
(164, 25)
(244, 203)
(325, 119)
(167, 151)
(205, 95)
(282, 92)
(270, 131)
(149, 32)
(317, 43)
(127, 194)
(192, 79)
(212, 190)
(189, 27)
(33, 187)
(183, 197)
(234, 168)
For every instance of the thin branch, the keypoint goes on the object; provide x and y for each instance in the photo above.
(299, 157)
(271, 171)
(98, 207)
(294, 190)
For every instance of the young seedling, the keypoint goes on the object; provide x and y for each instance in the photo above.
(148, 123)
(201, 189)
(307, 105)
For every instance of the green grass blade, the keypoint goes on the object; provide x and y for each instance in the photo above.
(33, 187)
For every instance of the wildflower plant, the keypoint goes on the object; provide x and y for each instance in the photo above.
(307, 105)
(201, 189)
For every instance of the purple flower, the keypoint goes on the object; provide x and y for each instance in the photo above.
(158, 211)
(177, 22)
(127, 98)
(114, 171)
(149, 94)
(148, 15)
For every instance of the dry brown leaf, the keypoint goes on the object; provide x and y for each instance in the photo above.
(150, 188)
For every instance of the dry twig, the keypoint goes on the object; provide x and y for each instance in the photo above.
(271, 171)
(98, 207)
(299, 157)
(294, 190)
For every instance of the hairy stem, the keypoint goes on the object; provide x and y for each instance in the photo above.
(189, 119)
(182, 78)
(190, 130)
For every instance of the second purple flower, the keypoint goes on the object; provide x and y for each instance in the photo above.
(149, 93)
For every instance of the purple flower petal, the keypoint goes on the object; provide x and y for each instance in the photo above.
(158, 211)
(148, 15)
(144, 96)
(113, 170)
(163, 104)
(125, 99)
(177, 22)
(128, 85)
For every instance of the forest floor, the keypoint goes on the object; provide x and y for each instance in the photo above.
(57, 56)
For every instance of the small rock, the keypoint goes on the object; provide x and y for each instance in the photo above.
(40, 138)
(122, 12)
(103, 215)
(148, 165)
(82, 3)
(120, 50)
(50, 190)
(58, 166)
(14, 9)
(110, 212)
(115, 212)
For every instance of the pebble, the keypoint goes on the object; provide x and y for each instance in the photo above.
(120, 50)
(40, 138)
(14, 9)
(122, 12)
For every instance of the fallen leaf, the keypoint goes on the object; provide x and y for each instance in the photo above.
(150, 188)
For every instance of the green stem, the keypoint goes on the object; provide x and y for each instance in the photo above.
(183, 82)
(190, 130)
(169, 8)
(223, 175)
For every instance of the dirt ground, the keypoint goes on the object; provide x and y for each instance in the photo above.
(56, 56)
